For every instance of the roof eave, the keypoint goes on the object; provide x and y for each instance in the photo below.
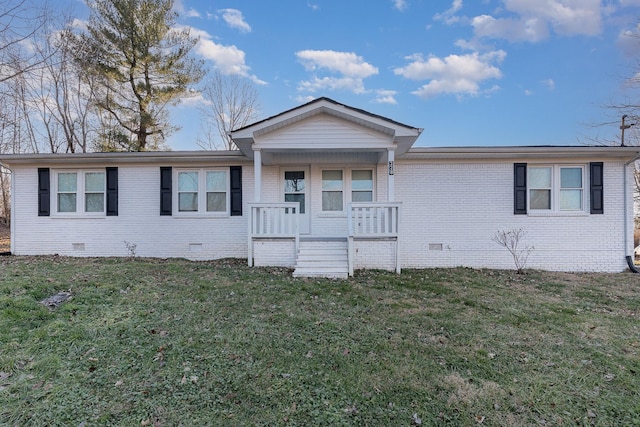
(521, 152)
(147, 157)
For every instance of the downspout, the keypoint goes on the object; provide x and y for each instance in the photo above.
(628, 257)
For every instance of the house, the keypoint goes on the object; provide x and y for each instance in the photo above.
(325, 189)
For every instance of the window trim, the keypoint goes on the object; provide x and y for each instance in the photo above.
(556, 189)
(80, 193)
(201, 193)
(347, 187)
(373, 183)
(342, 190)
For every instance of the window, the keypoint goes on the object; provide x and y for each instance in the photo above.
(216, 191)
(556, 188)
(80, 191)
(570, 189)
(203, 191)
(332, 190)
(294, 188)
(188, 191)
(540, 188)
(361, 185)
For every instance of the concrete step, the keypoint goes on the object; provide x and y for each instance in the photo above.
(319, 258)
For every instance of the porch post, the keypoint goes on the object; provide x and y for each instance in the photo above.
(257, 175)
(391, 187)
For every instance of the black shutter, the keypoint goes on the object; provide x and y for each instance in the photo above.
(112, 191)
(596, 190)
(519, 188)
(236, 190)
(166, 179)
(44, 192)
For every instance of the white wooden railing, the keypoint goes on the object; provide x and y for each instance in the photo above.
(373, 220)
(273, 220)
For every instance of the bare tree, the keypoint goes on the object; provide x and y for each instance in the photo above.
(5, 202)
(511, 240)
(20, 23)
(230, 102)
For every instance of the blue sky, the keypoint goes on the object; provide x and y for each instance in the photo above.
(470, 73)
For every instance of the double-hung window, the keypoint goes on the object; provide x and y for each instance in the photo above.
(343, 186)
(362, 185)
(203, 191)
(556, 188)
(80, 192)
(332, 191)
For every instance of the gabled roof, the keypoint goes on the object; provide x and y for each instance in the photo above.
(403, 136)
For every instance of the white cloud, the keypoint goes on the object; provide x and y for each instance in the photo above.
(347, 63)
(454, 74)
(400, 4)
(449, 16)
(531, 20)
(628, 41)
(548, 83)
(317, 84)
(528, 92)
(178, 6)
(350, 68)
(532, 29)
(227, 59)
(304, 99)
(235, 19)
(385, 97)
(313, 6)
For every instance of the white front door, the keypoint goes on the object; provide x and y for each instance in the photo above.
(295, 186)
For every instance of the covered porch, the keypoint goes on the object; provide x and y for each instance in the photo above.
(324, 189)
(373, 235)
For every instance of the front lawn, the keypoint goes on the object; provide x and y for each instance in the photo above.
(170, 343)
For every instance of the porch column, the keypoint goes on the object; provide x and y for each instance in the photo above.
(257, 175)
(391, 186)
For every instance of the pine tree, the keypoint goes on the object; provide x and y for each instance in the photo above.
(142, 64)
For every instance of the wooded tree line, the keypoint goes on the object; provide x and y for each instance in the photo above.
(106, 84)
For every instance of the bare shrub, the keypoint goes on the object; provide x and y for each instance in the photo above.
(511, 240)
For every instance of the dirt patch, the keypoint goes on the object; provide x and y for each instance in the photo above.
(5, 238)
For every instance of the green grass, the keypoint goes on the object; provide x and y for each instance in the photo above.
(169, 343)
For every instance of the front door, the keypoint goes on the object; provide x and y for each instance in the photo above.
(295, 188)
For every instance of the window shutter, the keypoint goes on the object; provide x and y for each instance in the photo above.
(596, 190)
(166, 179)
(44, 192)
(112, 191)
(519, 188)
(236, 190)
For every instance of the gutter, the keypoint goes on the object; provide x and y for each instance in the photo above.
(628, 257)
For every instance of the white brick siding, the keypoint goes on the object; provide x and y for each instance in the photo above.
(450, 211)
(274, 252)
(138, 222)
(461, 205)
(375, 254)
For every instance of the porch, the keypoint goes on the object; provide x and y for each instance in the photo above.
(372, 240)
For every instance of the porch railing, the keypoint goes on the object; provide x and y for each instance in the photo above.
(373, 220)
(273, 220)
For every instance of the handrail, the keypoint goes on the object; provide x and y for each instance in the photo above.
(273, 220)
(371, 219)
